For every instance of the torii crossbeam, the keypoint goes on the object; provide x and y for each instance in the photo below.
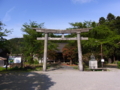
(78, 38)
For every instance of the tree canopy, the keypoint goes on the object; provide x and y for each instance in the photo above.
(3, 41)
(105, 32)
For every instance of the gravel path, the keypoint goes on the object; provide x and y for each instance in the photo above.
(62, 79)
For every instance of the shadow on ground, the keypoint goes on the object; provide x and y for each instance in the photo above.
(25, 81)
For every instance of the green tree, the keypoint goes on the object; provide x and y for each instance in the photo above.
(102, 20)
(3, 32)
(3, 42)
(105, 34)
(117, 24)
(114, 25)
(31, 44)
(110, 17)
(113, 47)
(70, 52)
(87, 47)
(16, 45)
(85, 24)
(101, 32)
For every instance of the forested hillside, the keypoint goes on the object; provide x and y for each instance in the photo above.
(16, 45)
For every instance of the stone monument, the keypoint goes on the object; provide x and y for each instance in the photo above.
(93, 63)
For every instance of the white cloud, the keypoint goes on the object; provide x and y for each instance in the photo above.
(81, 1)
(7, 16)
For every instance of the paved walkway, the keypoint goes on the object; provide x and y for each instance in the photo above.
(62, 79)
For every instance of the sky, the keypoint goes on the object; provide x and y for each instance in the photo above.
(55, 14)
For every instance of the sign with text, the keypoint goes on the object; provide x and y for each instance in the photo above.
(102, 60)
(17, 60)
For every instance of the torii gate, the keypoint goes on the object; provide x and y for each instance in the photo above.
(78, 38)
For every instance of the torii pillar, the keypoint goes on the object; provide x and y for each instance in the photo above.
(79, 52)
(45, 52)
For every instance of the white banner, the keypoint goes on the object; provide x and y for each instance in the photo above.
(17, 60)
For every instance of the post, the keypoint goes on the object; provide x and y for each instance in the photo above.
(62, 35)
(101, 51)
(45, 52)
(6, 64)
(101, 55)
(79, 52)
(21, 62)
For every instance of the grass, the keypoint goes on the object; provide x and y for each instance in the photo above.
(2, 69)
(27, 68)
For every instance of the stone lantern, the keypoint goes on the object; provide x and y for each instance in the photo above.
(93, 63)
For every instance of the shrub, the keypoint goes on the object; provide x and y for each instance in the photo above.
(2, 69)
(118, 64)
(36, 62)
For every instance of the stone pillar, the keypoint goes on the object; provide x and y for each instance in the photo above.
(62, 35)
(79, 52)
(45, 52)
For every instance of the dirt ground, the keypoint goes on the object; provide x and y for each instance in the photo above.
(61, 79)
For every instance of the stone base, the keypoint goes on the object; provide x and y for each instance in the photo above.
(93, 64)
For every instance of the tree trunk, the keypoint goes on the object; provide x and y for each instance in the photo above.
(22, 61)
(31, 58)
(54, 60)
(109, 60)
(114, 58)
(70, 61)
(6, 64)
